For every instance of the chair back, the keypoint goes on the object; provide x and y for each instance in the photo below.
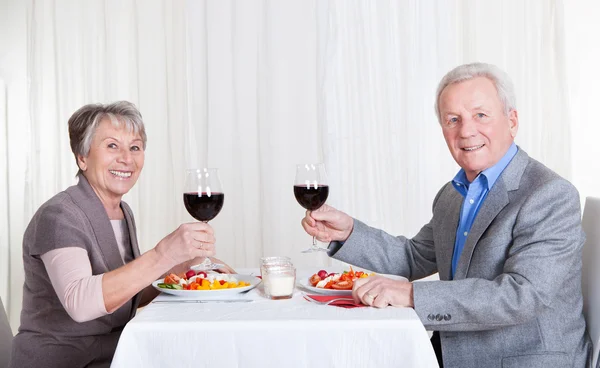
(591, 272)
(6, 337)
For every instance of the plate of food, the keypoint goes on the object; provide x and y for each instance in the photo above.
(205, 284)
(337, 283)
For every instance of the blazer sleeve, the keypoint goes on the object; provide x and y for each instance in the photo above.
(546, 247)
(379, 251)
(56, 225)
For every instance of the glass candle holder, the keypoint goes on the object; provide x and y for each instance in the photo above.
(278, 280)
(275, 260)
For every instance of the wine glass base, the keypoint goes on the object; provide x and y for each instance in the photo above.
(314, 249)
(206, 266)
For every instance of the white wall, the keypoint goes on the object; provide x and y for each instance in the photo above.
(13, 64)
(583, 74)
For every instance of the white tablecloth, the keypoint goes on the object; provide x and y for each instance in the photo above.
(272, 333)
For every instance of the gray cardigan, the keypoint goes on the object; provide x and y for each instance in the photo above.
(47, 336)
(516, 299)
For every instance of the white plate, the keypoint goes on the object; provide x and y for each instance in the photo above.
(254, 281)
(305, 283)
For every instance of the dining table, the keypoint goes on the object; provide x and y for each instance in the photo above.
(250, 330)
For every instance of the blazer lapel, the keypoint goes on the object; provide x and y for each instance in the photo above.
(85, 197)
(132, 230)
(496, 200)
(451, 205)
(136, 252)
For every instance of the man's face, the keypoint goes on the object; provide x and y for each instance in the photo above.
(475, 127)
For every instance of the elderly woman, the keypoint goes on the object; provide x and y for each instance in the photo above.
(84, 275)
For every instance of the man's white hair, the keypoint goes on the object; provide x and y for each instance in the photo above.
(501, 80)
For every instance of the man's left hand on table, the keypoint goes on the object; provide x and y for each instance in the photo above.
(380, 291)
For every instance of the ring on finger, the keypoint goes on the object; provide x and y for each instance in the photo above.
(369, 298)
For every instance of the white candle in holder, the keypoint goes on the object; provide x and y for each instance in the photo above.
(277, 286)
(279, 280)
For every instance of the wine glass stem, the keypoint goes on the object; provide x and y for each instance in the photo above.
(314, 242)
(207, 260)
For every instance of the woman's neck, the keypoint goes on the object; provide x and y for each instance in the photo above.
(112, 205)
(114, 213)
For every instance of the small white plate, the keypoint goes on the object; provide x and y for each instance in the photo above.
(305, 283)
(254, 281)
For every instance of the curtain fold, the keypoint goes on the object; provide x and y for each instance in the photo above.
(253, 108)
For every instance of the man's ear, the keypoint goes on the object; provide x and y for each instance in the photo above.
(513, 118)
(82, 162)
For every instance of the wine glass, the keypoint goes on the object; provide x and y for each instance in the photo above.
(203, 199)
(311, 191)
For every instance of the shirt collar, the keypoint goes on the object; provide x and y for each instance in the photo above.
(461, 183)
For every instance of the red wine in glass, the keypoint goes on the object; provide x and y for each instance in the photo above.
(203, 207)
(311, 191)
(203, 199)
(311, 198)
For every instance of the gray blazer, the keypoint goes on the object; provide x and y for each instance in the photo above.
(47, 336)
(515, 300)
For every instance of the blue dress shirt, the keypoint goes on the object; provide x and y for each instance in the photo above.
(474, 194)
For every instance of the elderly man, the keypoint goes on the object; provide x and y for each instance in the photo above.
(505, 237)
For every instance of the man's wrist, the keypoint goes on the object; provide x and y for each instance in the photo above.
(411, 295)
(349, 232)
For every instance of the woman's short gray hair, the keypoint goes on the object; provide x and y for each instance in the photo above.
(501, 80)
(84, 122)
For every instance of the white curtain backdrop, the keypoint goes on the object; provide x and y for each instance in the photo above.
(253, 88)
(583, 74)
(382, 61)
(4, 209)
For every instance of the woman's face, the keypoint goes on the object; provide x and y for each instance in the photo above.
(115, 161)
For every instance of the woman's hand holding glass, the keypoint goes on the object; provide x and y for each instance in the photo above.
(187, 242)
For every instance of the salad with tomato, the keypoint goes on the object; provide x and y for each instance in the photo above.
(201, 280)
(337, 281)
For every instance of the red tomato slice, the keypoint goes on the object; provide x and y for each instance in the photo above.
(343, 285)
(345, 277)
(314, 279)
